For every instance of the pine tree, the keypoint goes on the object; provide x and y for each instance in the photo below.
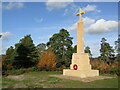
(62, 46)
(87, 50)
(9, 53)
(25, 53)
(117, 45)
(117, 48)
(75, 49)
(107, 52)
(7, 63)
(41, 47)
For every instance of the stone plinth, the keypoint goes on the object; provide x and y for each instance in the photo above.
(83, 66)
(81, 60)
(81, 73)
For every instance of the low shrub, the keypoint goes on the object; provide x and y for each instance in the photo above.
(60, 68)
(5, 73)
(115, 71)
(31, 69)
(16, 71)
(105, 68)
(20, 71)
(35, 68)
(46, 68)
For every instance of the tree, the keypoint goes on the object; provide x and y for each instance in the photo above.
(62, 46)
(107, 52)
(47, 60)
(41, 47)
(117, 48)
(75, 49)
(25, 53)
(117, 45)
(9, 53)
(7, 65)
(87, 50)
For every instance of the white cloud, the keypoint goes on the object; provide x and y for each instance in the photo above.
(91, 8)
(12, 5)
(38, 20)
(5, 36)
(72, 9)
(53, 5)
(96, 27)
(87, 22)
(73, 27)
(102, 26)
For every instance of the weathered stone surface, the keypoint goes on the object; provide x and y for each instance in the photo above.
(81, 73)
(80, 66)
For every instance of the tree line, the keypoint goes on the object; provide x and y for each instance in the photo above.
(54, 54)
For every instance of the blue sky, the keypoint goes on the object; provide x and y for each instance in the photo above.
(43, 19)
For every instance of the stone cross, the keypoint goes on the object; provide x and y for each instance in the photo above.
(80, 33)
(80, 64)
(80, 14)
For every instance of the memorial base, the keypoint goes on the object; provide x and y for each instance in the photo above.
(80, 66)
(81, 73)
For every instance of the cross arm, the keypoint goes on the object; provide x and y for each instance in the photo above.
(77, 14)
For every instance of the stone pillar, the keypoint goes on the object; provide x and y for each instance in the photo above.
(80, 37)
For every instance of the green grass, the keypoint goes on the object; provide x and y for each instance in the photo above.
(8, 83)
(43, 80)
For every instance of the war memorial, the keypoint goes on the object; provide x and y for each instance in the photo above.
(80, 64)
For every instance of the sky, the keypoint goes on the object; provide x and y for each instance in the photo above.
(43, 19)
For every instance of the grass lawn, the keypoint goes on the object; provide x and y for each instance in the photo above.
(43, 80)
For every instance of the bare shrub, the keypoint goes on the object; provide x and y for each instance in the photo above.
(47, 61)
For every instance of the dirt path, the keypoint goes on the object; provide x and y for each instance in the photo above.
(89, 79)
(18, 77)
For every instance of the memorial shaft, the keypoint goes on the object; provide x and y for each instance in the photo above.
(80, 33)
(80, 37)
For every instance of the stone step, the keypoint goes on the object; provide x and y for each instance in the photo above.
(81, 73)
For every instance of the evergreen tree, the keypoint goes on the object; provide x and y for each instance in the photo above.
(41, 47)
(117, 45)
(87, 50)
(25, 53)
(7, 63)
(9, 53)
(75, 49)
(62, 46)
(117, 48)
(107, 52)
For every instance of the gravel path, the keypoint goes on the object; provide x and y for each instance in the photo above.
(89, 79)
(18, 77)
